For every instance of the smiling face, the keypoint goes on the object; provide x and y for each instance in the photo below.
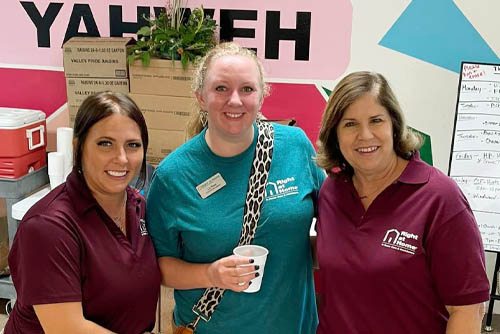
(365, 136)
(232, 97)
(112, 155)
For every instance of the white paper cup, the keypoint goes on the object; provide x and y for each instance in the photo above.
(65, 146)
(259, 256)
(55, 180)
(55, 168)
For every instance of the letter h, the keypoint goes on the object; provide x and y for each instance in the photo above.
(116, 25)
(301, 35)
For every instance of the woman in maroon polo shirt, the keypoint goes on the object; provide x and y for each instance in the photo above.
(82, 260)
(398, 248)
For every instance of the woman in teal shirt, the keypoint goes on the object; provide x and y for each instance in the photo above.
(194, 236)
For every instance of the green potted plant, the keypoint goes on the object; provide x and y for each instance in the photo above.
(172, 36)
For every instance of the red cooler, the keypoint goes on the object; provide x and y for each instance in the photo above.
(23, 138)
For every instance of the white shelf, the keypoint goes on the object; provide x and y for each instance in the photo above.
(20, 208)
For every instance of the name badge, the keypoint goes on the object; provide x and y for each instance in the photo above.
(210, 186)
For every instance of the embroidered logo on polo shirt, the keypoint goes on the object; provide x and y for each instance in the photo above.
(401, 241)
(142, 227)
(281, 188)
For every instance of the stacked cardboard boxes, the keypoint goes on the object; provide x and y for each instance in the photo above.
(92, 65)
(163, 92)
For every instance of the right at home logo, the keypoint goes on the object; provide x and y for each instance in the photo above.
(400, 241)
(281, 188)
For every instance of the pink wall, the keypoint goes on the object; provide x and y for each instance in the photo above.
(31, 76)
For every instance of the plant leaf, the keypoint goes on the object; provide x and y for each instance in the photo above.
(184, 60)
(196, 46)
(141, 44)
(160, 37)
(130, 58)
(145, 58)
(144, 31)
(173, 35)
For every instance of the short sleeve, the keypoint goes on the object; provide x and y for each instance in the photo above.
(318, 175)
(457, 261)
(45, 262)
(160, 217)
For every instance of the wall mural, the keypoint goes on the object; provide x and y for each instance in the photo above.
(437, 32)
(306, 46)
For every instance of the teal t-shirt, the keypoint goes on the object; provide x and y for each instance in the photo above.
(196, 230)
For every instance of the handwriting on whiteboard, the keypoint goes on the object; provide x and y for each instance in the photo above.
(475, 158)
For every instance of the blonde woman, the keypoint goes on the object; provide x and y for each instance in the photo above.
(194, 234)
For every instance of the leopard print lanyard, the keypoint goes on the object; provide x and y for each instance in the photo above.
(256, 191)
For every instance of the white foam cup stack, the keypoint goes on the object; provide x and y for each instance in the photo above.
(55, 168)
(65, 146)
(259, 256)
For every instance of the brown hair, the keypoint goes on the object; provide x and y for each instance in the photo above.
(99, 106)
(224, 49)
(348, 90)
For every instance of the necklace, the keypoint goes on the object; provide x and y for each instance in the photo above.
(377, 190)
(374, 192)
(366, 196)
(118, 219)
(383, 185)
(371, 193)
(118, 222)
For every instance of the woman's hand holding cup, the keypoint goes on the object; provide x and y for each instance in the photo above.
(232, 273)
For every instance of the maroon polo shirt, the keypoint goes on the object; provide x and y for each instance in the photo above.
(68, 250)
(394, 267)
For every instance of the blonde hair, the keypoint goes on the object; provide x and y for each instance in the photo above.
(345, 93)
(224, 49)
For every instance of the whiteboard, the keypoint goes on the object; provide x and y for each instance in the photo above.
(475, 151)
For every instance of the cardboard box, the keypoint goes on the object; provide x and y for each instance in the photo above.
(162, 143)
(78, 89)
(165, 112)
(161, 77)
(96, 57)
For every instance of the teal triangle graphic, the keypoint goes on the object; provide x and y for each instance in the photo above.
(437, 32)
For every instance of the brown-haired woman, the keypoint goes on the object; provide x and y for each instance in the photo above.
(398, 248)
(195, 231)
(82, 260)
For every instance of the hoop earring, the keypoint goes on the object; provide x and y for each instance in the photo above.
(203, 118)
